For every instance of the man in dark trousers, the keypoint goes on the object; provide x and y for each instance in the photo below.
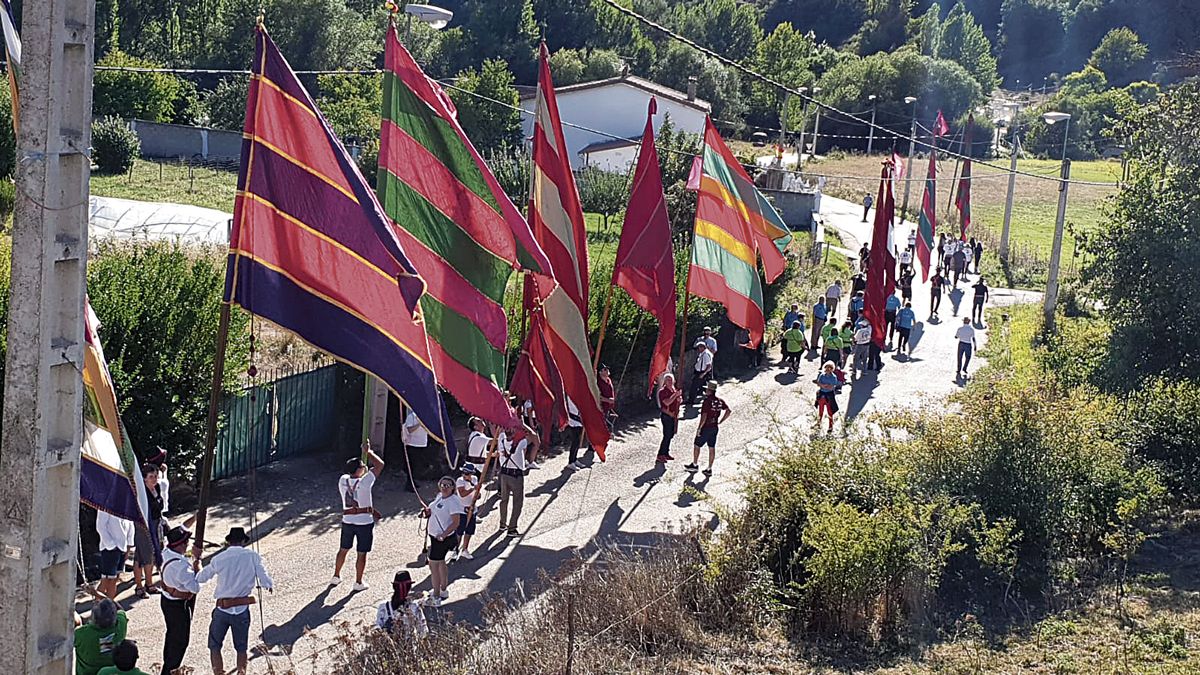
(178, 598)
(981, 296)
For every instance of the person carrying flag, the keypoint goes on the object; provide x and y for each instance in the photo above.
(358, 514)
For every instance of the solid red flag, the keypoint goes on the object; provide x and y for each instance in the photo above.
(940, 128)
(963, 200)
(881, 273)
(645, 265)
(536, 379)
(557, 221)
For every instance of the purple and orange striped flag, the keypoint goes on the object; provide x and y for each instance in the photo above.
(312, 251)
(463, 234)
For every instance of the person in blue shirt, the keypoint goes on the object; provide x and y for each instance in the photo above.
(856, 305)
(906, 318)
(820, 316)
(790, 317)
(889, 316)
(827, 384)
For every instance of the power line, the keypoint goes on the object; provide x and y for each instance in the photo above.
(806, 97)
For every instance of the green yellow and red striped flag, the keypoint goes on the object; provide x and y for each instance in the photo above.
(735, 225)
(463, 235)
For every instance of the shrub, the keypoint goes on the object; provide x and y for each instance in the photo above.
(130, 94)
(1164, 429)
(115, 146)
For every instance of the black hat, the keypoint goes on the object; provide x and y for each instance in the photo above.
(177, 535)
(158, 457)
(237, 535)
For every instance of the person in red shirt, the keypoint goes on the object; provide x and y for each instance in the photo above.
(669, 399)
(608, 395)
(711, 418)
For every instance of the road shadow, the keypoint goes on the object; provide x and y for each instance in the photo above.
(315, 613)
(915, 335)
(956, 298)
(861, 391)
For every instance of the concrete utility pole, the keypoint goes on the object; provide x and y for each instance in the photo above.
(1051, 300)
(817, 123)
(1012, 193)
(871, 133)
(912, 148)
(43, 396)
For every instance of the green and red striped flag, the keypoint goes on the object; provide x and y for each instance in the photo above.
(927, 220)
(461, 232)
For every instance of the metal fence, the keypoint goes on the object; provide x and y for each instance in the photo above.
(292, 414)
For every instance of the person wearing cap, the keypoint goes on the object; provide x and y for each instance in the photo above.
(862, 347)
(856, 305)
(479, 444)
(178, 599)
(95, 640)
(467, 487)
(981, 296)
(399, 615)
(710, 340)
(358, 514)
(669, 399)
(710, 421)
(702, 372)
(966, 345)
(238, 571)
(124, 658)
(444, 514)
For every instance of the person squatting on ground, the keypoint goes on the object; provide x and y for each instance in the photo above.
(906, 318)
(669, 398)
(827, 385)
(95, 640)
(710, 421)
(178, 599)
(238, 571)
(399, 616)
(444, 514)
(116, 538)
(358, 514)
(966, 345)
(513, 469)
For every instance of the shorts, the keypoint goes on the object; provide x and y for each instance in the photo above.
(706, 436)
(223, 622)
(439, 549)
(110, 562)
(466, 524)
(364, 534)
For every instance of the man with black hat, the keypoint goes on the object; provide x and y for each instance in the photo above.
(238, 570)
(178, 599)
(358, 514)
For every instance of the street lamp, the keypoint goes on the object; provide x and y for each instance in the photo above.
(912, 148)
(817, 123)
(871, 134)
(1051, 301)
(433, 16)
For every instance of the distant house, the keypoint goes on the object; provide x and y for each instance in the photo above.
(617, 108)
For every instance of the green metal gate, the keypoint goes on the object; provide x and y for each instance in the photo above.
(291, 415)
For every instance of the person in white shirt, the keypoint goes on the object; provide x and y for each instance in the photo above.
(444, 514)
(702, 372)
(574, 436)
(832, 295)
(164, 484)
(906, 261)
(399, 615)
(862, 347)
(358, 514)
(116, 538)
(710, 340)
(912, 240)
(479, 444)
(513, 468)
(238, 571)
(966, 345)
(467, 488)
(529, 419)
(178, 599)
(415, 437)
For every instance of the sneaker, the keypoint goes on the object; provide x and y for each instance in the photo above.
(465, 556)
(359, 587)
(335, 581)
(534, 466)
(432, 601)
(691, 467)
(660, 460)
(708, 472)
(451, 556)
(669, 458)
(512, 532)
(579, 466)
(444, 595)
(153, 590)
(141, 593)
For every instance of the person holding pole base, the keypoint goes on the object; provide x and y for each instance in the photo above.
(513, 467)
(669, 398)
(238, 570)
(710, 421)
(467, 487)
(444, 514)
(178, 599)
(358, 514)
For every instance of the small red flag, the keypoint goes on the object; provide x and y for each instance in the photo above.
(693, 181)
(940, 128)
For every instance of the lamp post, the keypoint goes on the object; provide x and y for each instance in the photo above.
(1051, 301)
(871, 134)
(817, 123)
(1012, 179)
(433, 16)
(803, 124)
(912, 148)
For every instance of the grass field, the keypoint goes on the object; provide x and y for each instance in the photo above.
(168, 181)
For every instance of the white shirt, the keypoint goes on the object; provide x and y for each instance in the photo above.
(513, 457)
(441, 514)
(115, 533)
(965, 334)
(573, 418)
(862, 336)
(238, 570)
(414, 433)
(408, 621)
(164, 489)
(177, 575)
(906, 257)
(356, 493)
(704, 361)
(912, 238)
(477, 447)
(834, 291)
(968, 252)
(711, 342)
(469, 485)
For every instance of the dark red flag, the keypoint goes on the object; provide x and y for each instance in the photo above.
(536, 378)
(963, 199)
(940, 128)
(881, 274)
(645, 265)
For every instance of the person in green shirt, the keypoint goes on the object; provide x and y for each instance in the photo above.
(830, 328)
(124, 656)
(794, 344)
(95, 640)
(847, 340)
(833, 350)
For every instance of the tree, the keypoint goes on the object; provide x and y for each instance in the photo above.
(351, 105)
(963, 41)
(716, 83)
(1141, 264)
(489, 126)
(1032, 35)
(786, 56)
(603, 192)
(311, 34)
(724, 26)
(567, 66)
(505, 30)
(1094, 111)
(1121, 56)
(925, 32)
(226, 104)
(832, 21)
(140, 95)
